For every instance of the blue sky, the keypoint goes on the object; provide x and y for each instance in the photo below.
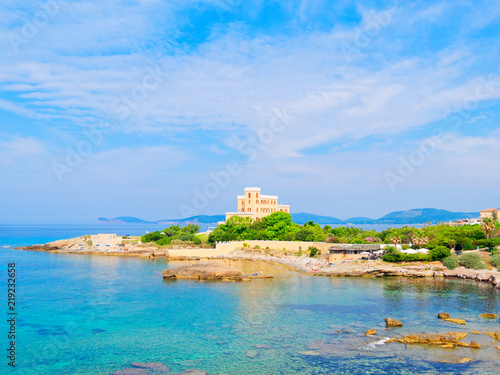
(342, 108)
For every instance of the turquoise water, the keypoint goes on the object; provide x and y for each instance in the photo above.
(94, 315)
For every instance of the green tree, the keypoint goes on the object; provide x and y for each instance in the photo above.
(439, 253)
(488, 226)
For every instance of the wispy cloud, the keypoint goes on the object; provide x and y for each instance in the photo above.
(224, 67)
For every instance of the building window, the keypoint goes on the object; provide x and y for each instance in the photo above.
(256, 195)
(249, 195)
(281, 209)
(257, 201)
(257, 209)
(249, 210)
(242, 210)
(249, 201)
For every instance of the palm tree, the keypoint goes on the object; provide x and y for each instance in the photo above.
(488, 226)
(395, 240)
(420, 240)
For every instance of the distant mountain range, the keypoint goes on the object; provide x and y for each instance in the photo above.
(415, 216)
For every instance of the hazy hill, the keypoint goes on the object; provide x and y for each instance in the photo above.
(424, 215)
(200, 219)
(123, 220)
(303, 217)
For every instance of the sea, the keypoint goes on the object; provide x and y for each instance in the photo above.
(83, 314)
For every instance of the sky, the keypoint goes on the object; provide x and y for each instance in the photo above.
(169, 109)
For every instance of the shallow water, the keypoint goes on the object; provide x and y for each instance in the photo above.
(93, 315)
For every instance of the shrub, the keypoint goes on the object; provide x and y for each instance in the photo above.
(451, 262)
(495, 261)
(472, 260)
(415, 257)
(257, 247)
(440, 252)
(405, 247)
(313, 251)
(164, 241)
(391, 254)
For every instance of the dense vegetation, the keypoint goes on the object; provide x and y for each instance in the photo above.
(495, 261)
(174, 235)
(472, 260)
(451, 262)
(279, 226)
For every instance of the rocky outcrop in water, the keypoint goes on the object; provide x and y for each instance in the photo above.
(488, 316)
(456, 321)
(494, 280)
(206, 271)
(393, 323)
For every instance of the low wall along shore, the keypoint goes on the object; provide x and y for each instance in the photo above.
(294, 246)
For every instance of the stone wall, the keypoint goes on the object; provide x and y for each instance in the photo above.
(294, 246)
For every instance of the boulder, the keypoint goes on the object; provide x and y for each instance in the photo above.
(392, 323)
(488, 316)
(474, 345)
(444, 316)
(456, 321)
(205, 271)
(371, 332)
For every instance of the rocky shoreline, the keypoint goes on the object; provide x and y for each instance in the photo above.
(301, 264)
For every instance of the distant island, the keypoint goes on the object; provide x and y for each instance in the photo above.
(414, 216)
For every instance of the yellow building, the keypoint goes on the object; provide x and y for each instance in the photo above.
(491, 213)
(255, 205)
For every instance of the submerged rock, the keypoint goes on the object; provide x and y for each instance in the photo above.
(262, 346)
(444, 316)
(252, 353)
(488, 316)
(494, 335)
(206, 271)
(309, 353)
(393, 322)
(132, 371)
(193, 372)
(157, 366)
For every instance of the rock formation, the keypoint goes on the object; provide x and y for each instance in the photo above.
(206, 271)
(392, 323)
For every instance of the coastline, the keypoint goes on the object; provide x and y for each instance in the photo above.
(300, 264)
